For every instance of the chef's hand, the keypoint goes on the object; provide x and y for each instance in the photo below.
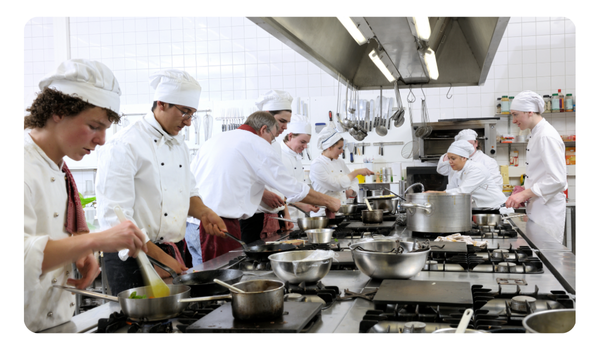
(122, 236)
(172, 263)
(307, 207)
(89, 270)
(272, 199)
(517, 199)
(212, 223)
(361, 171)
(333, 204)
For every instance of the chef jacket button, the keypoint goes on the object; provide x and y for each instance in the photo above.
(55, 214)
(52, 179)
(180, 165)
(54, 280)
(162, 238)
(72, 304)
(165, 214)
(162, 164)
(155, 140)
(50, 314)
(67, 273)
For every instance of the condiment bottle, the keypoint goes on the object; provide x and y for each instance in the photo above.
(547, 104)
(499, 105)
(504, 103)
(510, 101)
(555, 103)
(569, 103)
(561, 101)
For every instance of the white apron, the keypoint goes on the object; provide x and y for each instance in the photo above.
(330, 177)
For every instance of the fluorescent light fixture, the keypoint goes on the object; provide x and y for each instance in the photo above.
(422, 27)
(353, 30)
(379, 63)
(431, 64)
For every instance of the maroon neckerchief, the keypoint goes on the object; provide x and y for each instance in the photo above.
(75, 221)
(248, 128)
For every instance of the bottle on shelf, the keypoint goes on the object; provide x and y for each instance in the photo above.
(499, 105)
(561, 101)
(547, 104)
(510, 101)
(504, 105)
(555, 103)
(569, 103)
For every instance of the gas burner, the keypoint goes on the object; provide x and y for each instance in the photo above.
(523, 304)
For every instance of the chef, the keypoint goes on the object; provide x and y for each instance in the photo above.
(478, 156)
(241, 163)
(69, 117)
(546, 171)
(279, 104)
(296, 140)
(145, 170)
(472, 178)
(329, 174)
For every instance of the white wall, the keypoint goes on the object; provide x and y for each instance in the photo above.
(235, 61)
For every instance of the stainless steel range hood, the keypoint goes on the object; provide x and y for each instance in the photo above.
(464, 47)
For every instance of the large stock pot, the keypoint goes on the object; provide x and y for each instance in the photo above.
(438, 212)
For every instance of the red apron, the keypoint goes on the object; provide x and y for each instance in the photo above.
(214, 246)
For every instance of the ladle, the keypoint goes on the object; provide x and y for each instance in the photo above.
(237, 240)
(229, 286)
(381, 130)
(464, 321)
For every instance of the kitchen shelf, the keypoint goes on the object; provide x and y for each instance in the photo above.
(546, 114)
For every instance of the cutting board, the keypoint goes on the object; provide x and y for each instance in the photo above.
(411, 292)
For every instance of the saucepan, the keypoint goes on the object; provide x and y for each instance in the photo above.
(154, 309)
(374, 216)
(262, 300)
(308, 223)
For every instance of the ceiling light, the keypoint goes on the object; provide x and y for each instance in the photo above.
(382, 67)
(422, 27)
(353, 30)
(431, 64)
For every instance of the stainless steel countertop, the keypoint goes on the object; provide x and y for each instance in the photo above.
(345, 316)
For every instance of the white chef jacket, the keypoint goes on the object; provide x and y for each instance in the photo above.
(263, 207)
(490, 163)
(293, 163)
(146, 171)
(45, 214)
(232, 169)
(547, 178)
(475, 179)
(330, 176)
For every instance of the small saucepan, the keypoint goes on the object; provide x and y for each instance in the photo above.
(374, 216)
(262, 300)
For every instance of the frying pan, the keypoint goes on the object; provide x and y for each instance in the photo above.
(262, 252)
(201, 282)
(144, 309)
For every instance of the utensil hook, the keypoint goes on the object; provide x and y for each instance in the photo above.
(423, 92)
(449, 97)
(410, 92)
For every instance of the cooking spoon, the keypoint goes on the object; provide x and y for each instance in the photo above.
(229, 286)
(381, 130)
(464, 321)
(368, 205)
(158, 287)
(237, 240)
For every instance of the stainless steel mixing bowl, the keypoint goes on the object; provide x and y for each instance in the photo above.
(290, 266)
(376, 262)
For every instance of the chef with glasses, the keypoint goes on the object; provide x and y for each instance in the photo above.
(145, 169)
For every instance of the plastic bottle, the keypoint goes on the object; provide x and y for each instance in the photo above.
(561, 101)
(569, 103)
(510, 101)
(555, 103)
(547, 104)
(499, 105)
(504, 103)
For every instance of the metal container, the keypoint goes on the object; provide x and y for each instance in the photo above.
(312, 223)
(374, 216)
(290, 266)
(438, 212)
(550, 321)
(385, 204)
(320, 235)
(378, 263)
(347, 209)
(262, 300)
(453, 330)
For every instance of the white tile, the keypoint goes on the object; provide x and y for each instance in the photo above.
(263, 57)
(277, 82)
(542, 27)
(264, 83)
(263, 69)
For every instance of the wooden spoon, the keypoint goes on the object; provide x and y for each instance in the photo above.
(229, 286)
(368, 205)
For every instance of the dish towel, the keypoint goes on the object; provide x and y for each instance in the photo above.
(457, 237)
(75, 222)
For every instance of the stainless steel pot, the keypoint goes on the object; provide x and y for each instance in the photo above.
(377, 260)
(374, 216)
(313, 223)
(320, 235)
(550, 321)
(438, 212)
(291, 266)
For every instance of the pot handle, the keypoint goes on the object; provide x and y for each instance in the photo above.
(216, 297)
(426, 206)
(88, 293)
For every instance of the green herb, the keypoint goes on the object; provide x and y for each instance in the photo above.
(135, 296)
(86, 201)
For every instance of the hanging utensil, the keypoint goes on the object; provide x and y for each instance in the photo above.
(380, 129)
(399, 115)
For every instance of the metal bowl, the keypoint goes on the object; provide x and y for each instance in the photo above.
(348, 209)
(320, 235)
(290, 266)
(550, 321)
(376, 263)
(312, 223)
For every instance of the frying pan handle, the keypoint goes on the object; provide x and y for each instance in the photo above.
(163, 266)
(216, 297)
(88, 293)
(237, 240)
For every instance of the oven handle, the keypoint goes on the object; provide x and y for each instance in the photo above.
(426, 206)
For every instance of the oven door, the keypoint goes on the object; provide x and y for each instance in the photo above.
(428, 176)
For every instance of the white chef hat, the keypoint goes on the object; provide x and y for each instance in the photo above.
(466, 134)
(327, 138)
(275, 100)
(176, 87)
(461, 148)
(91, 81)
(528, 101)
(298, 125)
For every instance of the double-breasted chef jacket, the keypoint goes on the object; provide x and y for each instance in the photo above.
(330, 177)
(146, 171)
(474, 179)
(45, 214)
(490, 163)
(293, 163)
(546, 176)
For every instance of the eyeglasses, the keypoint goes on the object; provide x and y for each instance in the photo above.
(187, 115)
(273, 139)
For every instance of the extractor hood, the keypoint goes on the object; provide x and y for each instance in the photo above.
(464, 48)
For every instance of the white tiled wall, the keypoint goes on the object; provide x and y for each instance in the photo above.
(234, 60)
